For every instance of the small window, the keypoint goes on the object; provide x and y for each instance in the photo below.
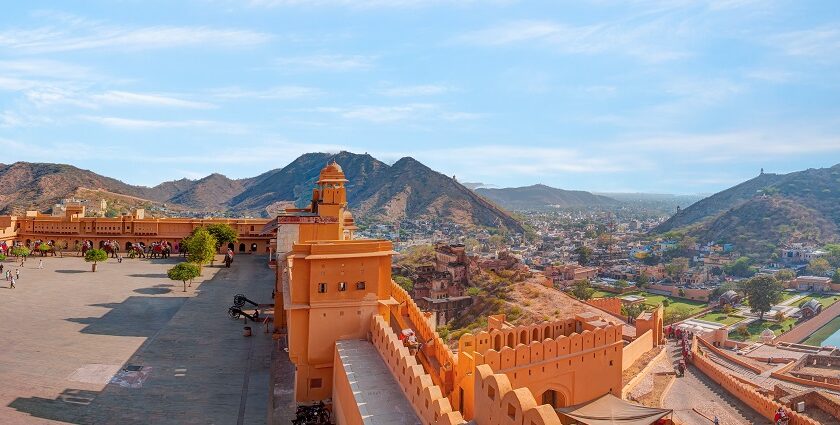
(322, 288)
(315, 383)
(491, 393)
(360, 285)
(511, 411)
(342, 286)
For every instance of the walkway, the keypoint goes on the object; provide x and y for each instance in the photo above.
(126, 345)
(696, 391)
(802, 331)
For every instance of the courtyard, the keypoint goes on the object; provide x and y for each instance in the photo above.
(126, 345)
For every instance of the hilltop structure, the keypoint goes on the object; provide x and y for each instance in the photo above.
(358, 340)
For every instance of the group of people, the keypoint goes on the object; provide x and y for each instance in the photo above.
(12, 278)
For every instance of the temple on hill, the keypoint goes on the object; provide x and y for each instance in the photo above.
(359, 342)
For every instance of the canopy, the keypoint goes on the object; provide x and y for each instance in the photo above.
(609, 409)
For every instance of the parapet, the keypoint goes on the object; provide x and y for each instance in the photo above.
(497, 403)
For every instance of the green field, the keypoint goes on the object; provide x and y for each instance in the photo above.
(604, 294)
(722, 318)
(825, 300)
(755, 329)
(818, 338)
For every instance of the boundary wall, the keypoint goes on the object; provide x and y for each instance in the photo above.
(636, 349)
(611, 305)
(497, 403)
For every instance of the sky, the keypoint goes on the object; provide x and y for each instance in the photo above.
(664, 96)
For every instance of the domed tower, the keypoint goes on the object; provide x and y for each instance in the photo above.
(349, 225)
(331, 193)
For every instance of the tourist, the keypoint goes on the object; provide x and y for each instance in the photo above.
(1, 268)
(41, 263)
(17, 273)
(12, 284)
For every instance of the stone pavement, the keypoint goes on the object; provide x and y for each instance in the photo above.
(696, 391)
(66, 334)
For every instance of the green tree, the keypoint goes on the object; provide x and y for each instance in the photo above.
(584, 254)
(44, 248)
(94, 256)
(201, 247)
(621, 284)
(686, 244)
(681, 292)
(819, 266)
(582, 290)
(833, 256)
(642, 279)
(184, 272)
(742, 267)
(224, 234)
(677, 267)
(836, 277)
(763, 292)
(20, 251)
(2, 257)
(677, 313)
(404, 282)
(785, 275)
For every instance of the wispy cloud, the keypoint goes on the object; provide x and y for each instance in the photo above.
(364, 4)
(414, 91)
(409, 112)
(272, 93)
(639, 39)
(332, 63)
(76, 33)
(145, 124)
(823, 42)
(114, 97)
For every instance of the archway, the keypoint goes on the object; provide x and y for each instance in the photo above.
(253, 247)
(101, 244)
(242, 247)
(553, 398)
(535, 335)
(127, 246)
(231, 246)
(523, 337)
(510, 337)
(497, 342)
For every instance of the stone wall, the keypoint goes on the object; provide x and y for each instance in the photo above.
(498, 403)
(636, 349)
(610, 305)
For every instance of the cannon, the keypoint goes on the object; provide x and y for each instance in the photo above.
(235, 312)
(239, 300)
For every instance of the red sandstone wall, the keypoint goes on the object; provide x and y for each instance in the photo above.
(612, 305)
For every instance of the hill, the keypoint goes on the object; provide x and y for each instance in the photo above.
(540, 196)
(766, 212)
(407, 189)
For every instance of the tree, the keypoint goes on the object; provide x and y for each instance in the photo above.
(184, 272)
(686, 244)
(621, 284)
(740, 267)
(94, 256)
(763, 292)
(582, 290)
(201, 247)
(677, 313)
(44, 248)
(833, 256)
(834, 278)
(819, 266)
(785, 275)
(224, 234)
(677, 267)
(681, 292)
(584, 254)
(20, 251)
(642, 279)
(404, 282)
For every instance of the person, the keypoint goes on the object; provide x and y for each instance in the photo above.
(12, 284)
(780, 416)
(17, 273)
(716, 421)
(1, 268)
(41, 263)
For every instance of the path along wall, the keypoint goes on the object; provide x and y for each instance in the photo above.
(765, 406)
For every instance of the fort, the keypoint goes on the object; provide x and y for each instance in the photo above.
(336, 306)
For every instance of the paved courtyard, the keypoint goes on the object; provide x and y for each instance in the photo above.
(67, 337)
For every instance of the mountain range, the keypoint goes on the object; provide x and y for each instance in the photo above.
(376, 190)
(766, 212)
(540, 196)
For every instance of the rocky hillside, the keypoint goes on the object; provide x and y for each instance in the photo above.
(540, 196)
(767, 211)
(407, 189)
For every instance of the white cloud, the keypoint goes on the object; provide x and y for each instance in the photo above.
(823, 42)
(332, 63)
(409, 112)
(273, 93)
(144, 124)
(115, 97)
(414, 91)
(365, 4)
(639, 39)
(77, 33)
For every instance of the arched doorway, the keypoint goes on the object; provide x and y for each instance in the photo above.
(127, 246)
(253, 247)
(231, 246)
(553, 398)
(497, 342)
(101, 244)
(242, 247)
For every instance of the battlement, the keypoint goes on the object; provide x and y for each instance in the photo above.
(497, 402)
(429, 402)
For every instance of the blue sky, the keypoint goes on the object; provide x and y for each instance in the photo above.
(676, 96)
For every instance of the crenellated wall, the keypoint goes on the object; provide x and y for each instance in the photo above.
(430, 404)
(498, 403)
(762, 404)
(611, 305)
(636, 349)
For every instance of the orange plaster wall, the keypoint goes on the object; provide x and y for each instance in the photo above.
(345, 410)
(612, 305)
(636, 349)
(498, 403)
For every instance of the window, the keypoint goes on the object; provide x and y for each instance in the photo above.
(511, 411)
(315, 383)
(342, 286)
(491, 393)
(322, 288)
(360, 285)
